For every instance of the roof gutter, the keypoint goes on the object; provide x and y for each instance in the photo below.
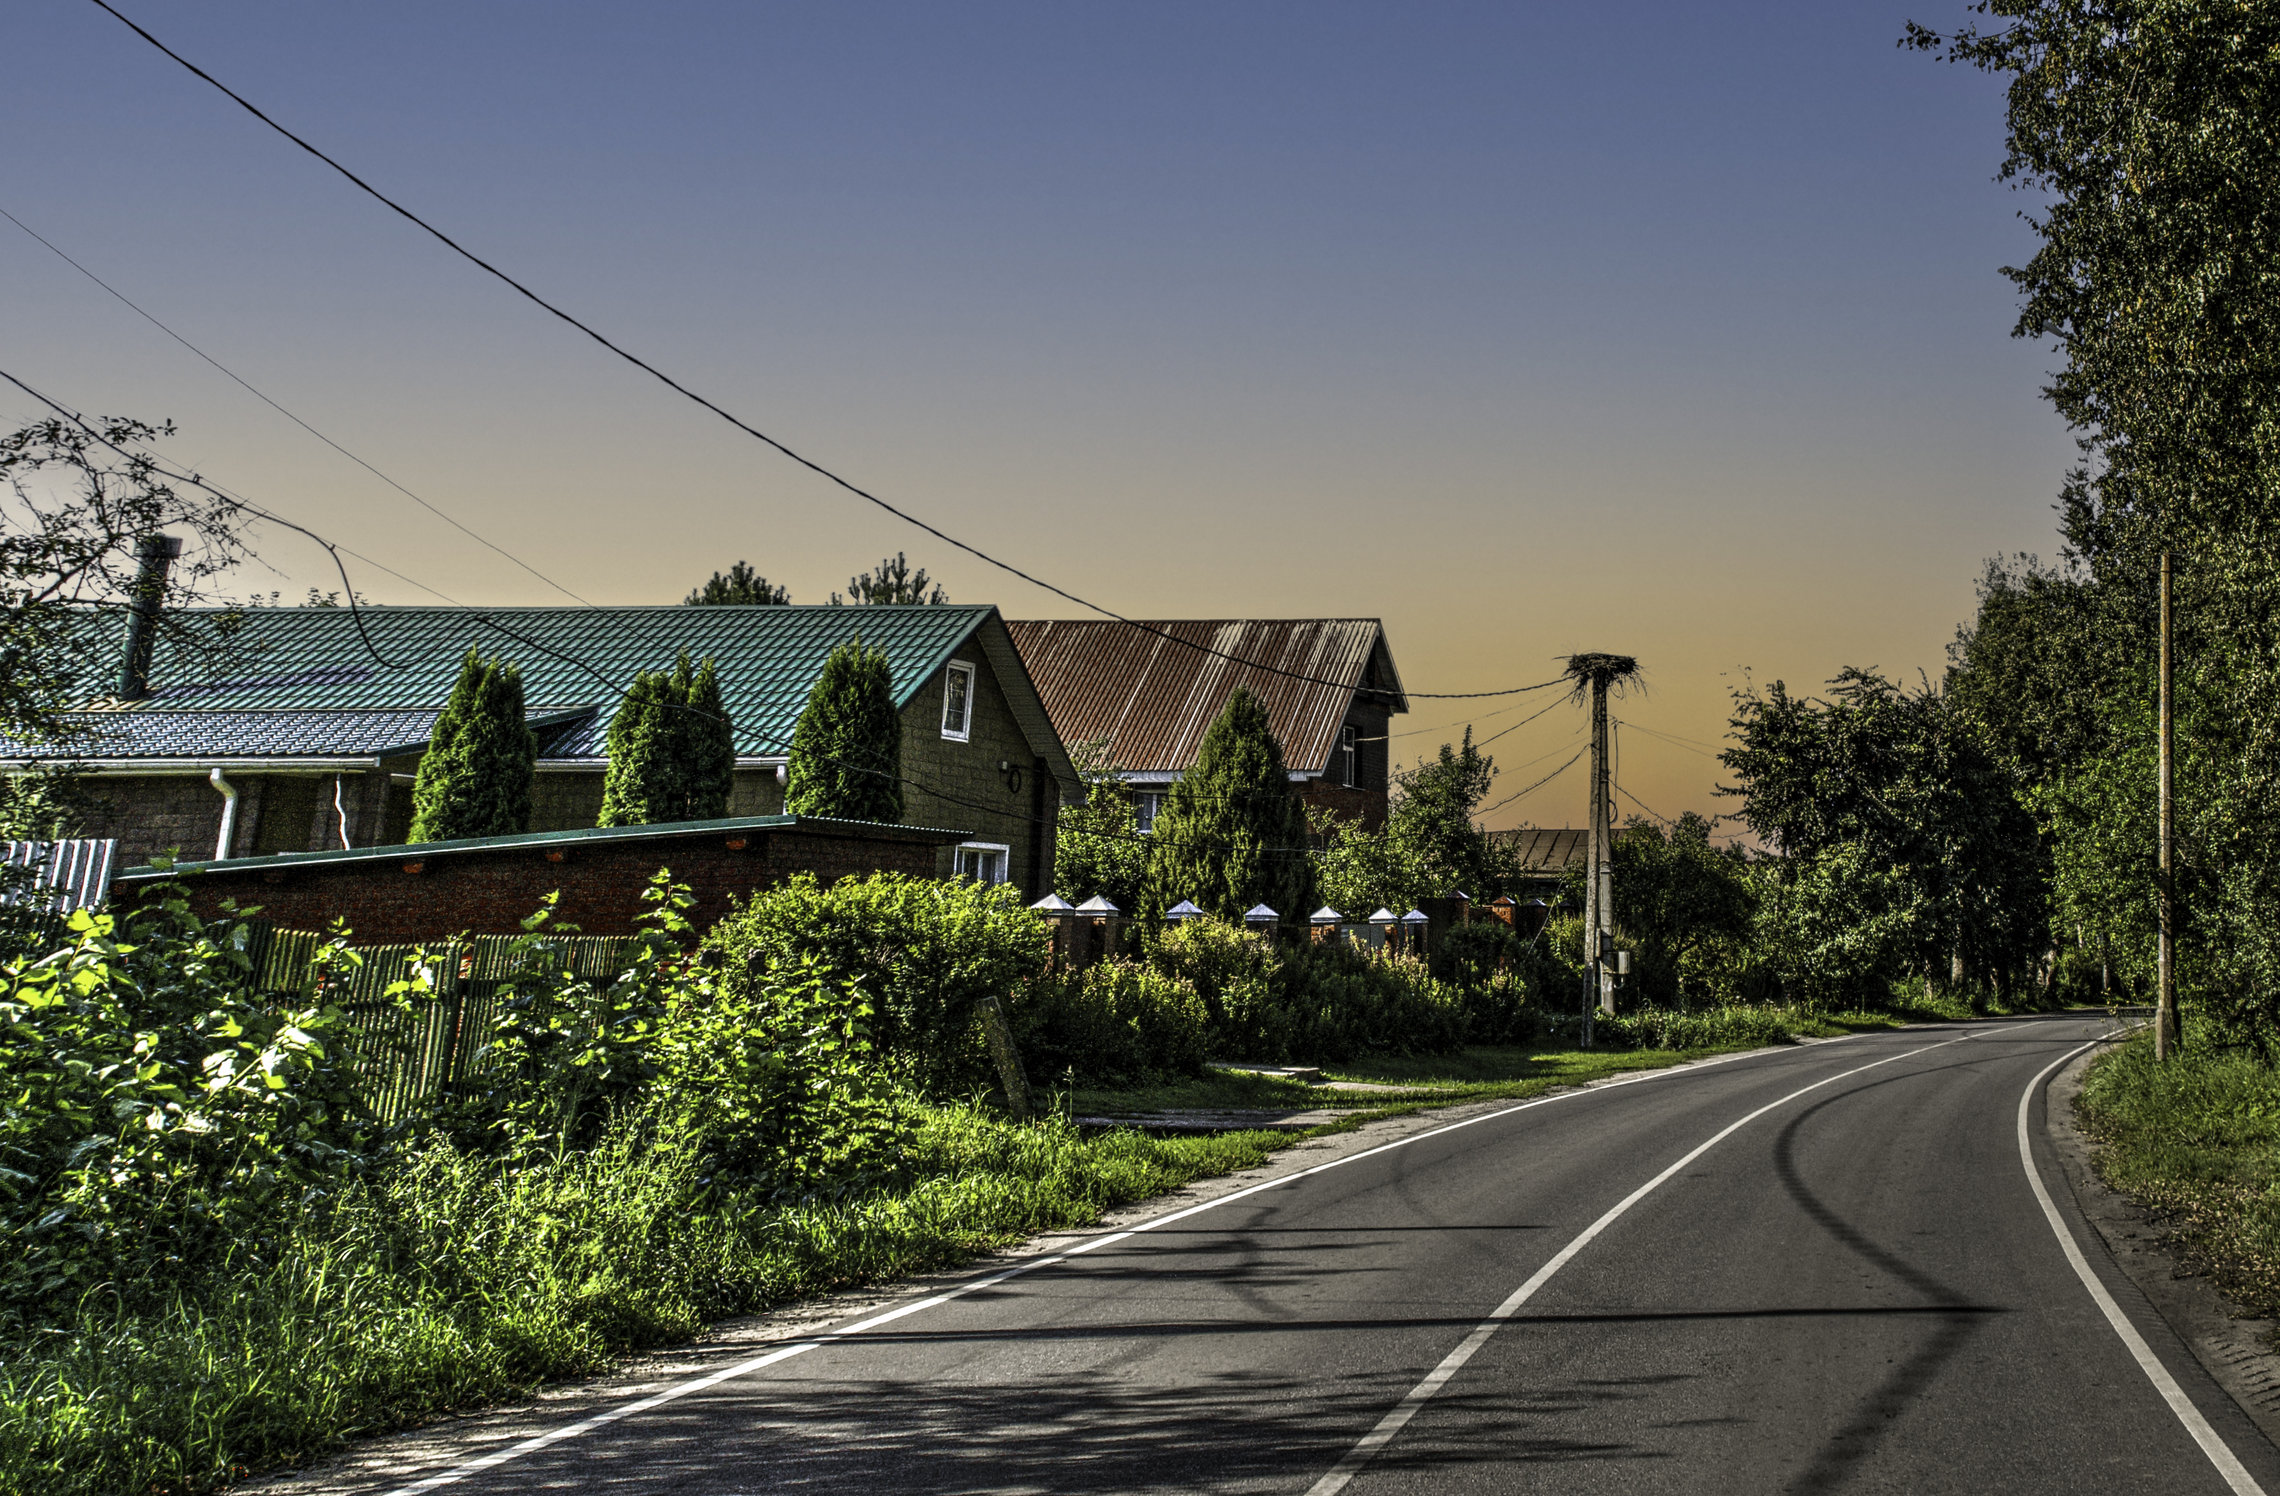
(107, 767)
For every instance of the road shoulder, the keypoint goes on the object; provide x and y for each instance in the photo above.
(2231, 1347)
(385, 1462)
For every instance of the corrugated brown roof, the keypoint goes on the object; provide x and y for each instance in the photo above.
(1153, 697)
(1547, 849)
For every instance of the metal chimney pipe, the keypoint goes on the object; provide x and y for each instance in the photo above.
(156, 553)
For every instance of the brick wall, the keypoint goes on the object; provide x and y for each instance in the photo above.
(490, 891)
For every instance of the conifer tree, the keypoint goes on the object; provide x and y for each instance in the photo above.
(846, 758)
(672, 751)
(1231, 835)
(475, 778)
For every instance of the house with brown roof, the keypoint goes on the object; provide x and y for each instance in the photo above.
(1151, 691)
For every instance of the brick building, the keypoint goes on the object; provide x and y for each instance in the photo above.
(301, 729)
(488, 885)
(1328, 684)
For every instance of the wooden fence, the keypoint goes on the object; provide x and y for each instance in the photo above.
(406, 1048)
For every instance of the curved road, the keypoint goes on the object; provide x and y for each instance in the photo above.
(1825, 1268)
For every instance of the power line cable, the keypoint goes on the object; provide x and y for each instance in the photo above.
(1694, 745)
(248, 387)
(356, 614)
(753, 431)
(334, 550)
(1539, 784)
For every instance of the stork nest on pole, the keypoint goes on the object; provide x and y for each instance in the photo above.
(1609, 670)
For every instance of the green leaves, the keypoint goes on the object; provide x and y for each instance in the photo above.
(160, 1110)
(672, 750)
(846, 751)
(1231, 834)
(475, 778)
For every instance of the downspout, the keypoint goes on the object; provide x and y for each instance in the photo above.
(340, 811)
(229, 814)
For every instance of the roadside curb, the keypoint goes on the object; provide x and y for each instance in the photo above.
(2229, 1346)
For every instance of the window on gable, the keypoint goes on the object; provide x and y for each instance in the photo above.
(1144, 807)
(1348, 748)
(984, 862)
(958, 702)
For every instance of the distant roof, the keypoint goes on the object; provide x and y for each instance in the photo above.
(304, 673)
(1153, 698)
(1546, 851)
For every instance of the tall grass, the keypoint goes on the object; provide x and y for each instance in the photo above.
(2197, 1141)
(449, 1282)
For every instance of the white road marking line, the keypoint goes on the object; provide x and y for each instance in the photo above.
(1409, 1407)
(2212, 1444)
(700, 1383)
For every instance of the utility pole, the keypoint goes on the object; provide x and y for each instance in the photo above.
(2165, 997)
(1599, 926)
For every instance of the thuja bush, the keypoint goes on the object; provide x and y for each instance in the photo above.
(925, 951)
(1113, 1023)
(159, 1110)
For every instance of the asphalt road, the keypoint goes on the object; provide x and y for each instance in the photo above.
(1832, 1273)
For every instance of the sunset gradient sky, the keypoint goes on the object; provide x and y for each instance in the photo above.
(1658, 327)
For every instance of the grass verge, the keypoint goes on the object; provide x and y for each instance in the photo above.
(2197, 1142)
(446, 1285)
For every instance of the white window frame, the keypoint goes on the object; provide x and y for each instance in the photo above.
(1146, 806)
(964, 731)
(1000, 850)
(1350, 750)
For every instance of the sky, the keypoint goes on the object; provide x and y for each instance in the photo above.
(1657, 327)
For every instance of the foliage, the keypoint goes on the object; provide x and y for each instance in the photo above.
(672, 749)
(1837, 927)
(846, 752)
(2197, 1142)
(1113, 1023)
(1098, 846)
(78, 500)
(474, 779)
(893, 582)
(2146, 132)
(160, 1111)
(1430, 848)
(1684, 906)
(740, 586)
(1715, 1028)
(1231, 834)
(1308, 1001)
(923, 950)
(447, 1281)
(1900, 780)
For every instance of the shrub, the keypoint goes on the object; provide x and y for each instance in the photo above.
(846, 752)
(474, 779)
(923, 950)
(1114, 1023)
(1230, 835)
(1711, 1028)
(1313, 1002)
(672, 750)
(159, 1110)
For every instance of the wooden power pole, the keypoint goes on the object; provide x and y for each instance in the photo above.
(1599, 924)
(1593, 674)
(2165, 994)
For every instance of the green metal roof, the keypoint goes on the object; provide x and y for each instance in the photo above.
(419, 851)
(307, 659)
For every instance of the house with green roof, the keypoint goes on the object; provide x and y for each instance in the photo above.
(281, 730)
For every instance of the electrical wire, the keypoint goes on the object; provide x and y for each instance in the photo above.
(1693, 745)
(1531, 789)
(746, 427)
(355, 613)
(334, 550)
(248, 387)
